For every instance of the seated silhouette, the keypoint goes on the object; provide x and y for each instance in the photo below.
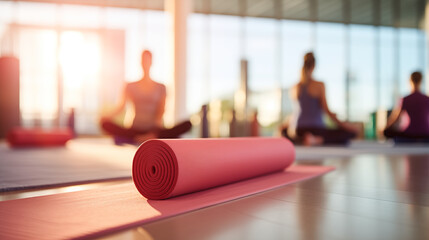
(310, 96)
(416, 105)
(148, 101)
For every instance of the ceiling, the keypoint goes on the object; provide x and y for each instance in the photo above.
(397, 13)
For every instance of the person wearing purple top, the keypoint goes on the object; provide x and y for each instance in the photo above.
(416, 105)
(310, 128)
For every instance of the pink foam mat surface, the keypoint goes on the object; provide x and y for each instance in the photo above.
(96, 212)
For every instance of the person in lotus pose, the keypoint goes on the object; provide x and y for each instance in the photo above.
(416, 105)
(310, 96)
(148, 101)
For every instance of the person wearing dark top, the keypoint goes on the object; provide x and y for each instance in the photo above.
(148, 101)
(310, 95)
(416, 105)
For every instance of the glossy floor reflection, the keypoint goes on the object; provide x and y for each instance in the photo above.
(4, 196)
(371, 196)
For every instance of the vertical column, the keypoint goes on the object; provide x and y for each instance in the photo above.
(377, 57)
(208, 56)
(279, 55)
(380, 116)
(60, 120)
(240, 114)
(178, 11)
(397, 45)
(241, 97)
(425, 16)
(346, 18)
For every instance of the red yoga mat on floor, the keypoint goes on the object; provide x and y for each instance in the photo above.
(38, 137)
(172, 167)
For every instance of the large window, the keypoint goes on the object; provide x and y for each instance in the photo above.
(331, 64)
(143, 30)
(214, 55)
(410, 59)
(297, 39)
(386, 43)
(362, 75)
(225, 55)
(81, 78)
(261, 51)
(198, 62)
(38, 76)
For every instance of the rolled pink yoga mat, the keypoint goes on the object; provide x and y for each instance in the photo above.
(166, 168)
(38, 137)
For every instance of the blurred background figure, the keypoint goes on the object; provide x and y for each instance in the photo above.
(204, 121)
(310, 95)
(232, 60)
(148, 101)
(416, 106)
(254, 125)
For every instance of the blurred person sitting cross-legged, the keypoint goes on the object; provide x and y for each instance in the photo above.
(416, 105)
(310, 96)
(148, 101)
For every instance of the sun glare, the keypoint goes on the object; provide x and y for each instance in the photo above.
(79, 52)
(38, 85)
(80, 64)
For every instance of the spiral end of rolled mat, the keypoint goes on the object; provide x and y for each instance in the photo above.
(155, 169)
